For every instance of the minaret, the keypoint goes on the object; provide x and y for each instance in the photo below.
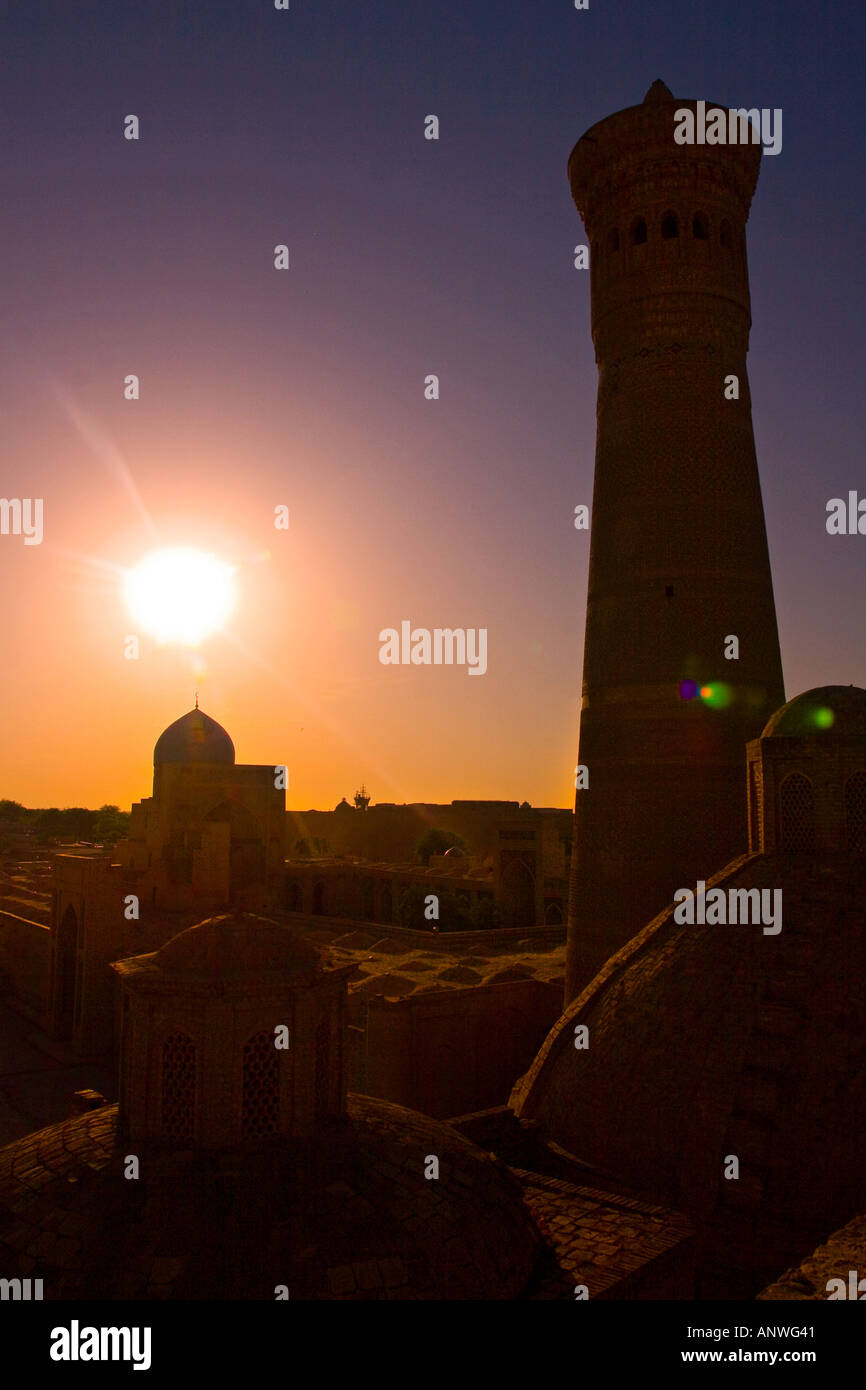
(678, 553)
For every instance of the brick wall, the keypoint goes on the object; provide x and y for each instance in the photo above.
(25, 960)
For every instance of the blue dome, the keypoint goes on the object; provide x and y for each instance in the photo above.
(194, 738)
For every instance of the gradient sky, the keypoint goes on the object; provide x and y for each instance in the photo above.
(306, 387)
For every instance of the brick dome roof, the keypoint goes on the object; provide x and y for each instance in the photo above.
(194, 738)
(714, 1040)
(832, 711)
(355, 1218)
(237, 944)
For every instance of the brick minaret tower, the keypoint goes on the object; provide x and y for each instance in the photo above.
(678, 555)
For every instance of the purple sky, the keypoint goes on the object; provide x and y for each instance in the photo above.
(407, 257)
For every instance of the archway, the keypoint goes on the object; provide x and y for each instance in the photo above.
(246, 846)
(518, 893)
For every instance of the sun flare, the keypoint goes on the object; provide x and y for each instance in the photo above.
(180, 595)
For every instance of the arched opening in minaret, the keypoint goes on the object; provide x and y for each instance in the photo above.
(670, 226)
(797, 815)
(638, 231)
(700, 227)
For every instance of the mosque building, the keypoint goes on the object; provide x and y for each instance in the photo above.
(211, 835)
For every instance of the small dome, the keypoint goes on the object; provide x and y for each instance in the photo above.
(837, 710)
(238, 944)
(343, 807)
(194, 738)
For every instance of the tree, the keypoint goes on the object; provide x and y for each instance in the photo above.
(485, 914)
(110, 824)
(436, 841)
(454, 913)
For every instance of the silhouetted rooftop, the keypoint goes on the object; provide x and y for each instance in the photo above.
(833, 711)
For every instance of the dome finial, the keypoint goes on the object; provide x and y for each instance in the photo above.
(196, 699)
(659, 91)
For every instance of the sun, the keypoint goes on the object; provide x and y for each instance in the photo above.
(180, 595)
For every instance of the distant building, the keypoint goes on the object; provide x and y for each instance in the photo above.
(210, 836)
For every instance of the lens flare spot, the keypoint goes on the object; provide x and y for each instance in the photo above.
(717, 695)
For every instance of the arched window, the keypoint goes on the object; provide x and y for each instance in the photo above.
(670, 226)
(638, 231)
(855, 812)
(260, 1105)
(553, 914)
(178, 1087)
(797, 815)
(700, 227)
(293, 895)
(725, 234)
(613, 239)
